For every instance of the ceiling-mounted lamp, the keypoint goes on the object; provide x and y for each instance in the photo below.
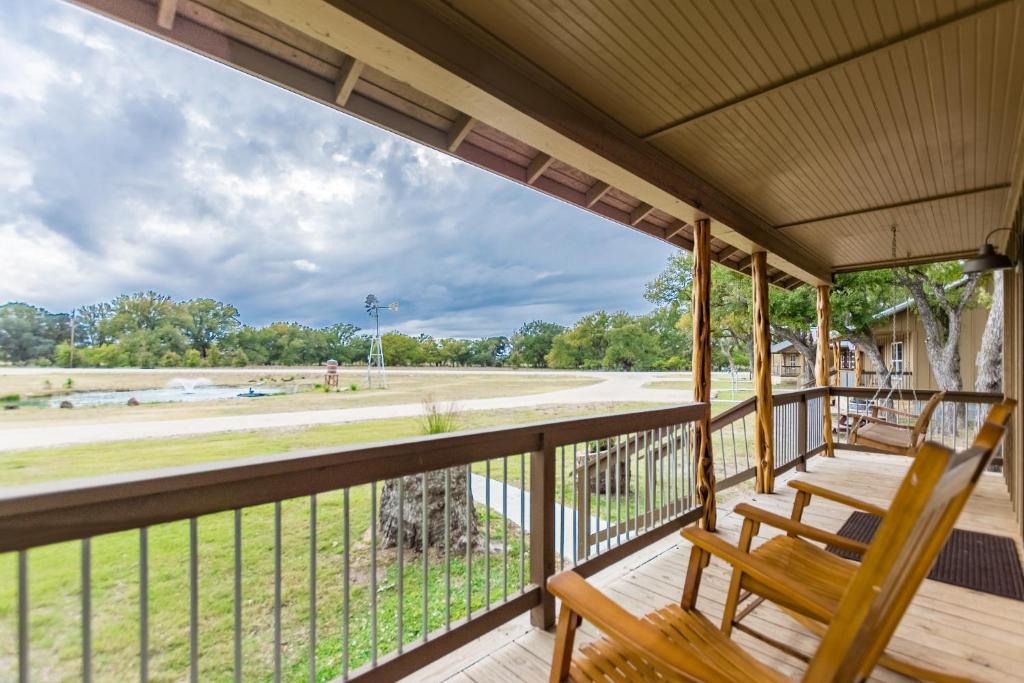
(989, 259)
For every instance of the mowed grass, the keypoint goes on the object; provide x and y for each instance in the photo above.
(55, 578)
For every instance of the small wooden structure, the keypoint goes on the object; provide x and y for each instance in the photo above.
(331, 374)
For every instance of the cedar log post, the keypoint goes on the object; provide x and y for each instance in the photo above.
(701, 308)
(821, 365)
(858, 367)
(763, 431)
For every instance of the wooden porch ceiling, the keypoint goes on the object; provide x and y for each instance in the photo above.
(803, 130)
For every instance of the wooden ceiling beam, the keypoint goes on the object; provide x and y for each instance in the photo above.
(826, 67)
(165, 12)
(596, 192)
(417, 46)
(348, 75)
(639, 213)
(744, 264)
(538, 165)
(726, 251)
(897, 205)
(459, 130)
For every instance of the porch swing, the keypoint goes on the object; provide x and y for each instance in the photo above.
(878, 425)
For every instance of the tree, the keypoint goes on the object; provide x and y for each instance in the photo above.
(532, 342)
(29, 333)
(629, 347)
(990, 355)
(209, 321)
(941, 293)
(857, 299)
(792, 315)
(582, 346)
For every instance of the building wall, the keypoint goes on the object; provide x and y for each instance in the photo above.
(910, 331)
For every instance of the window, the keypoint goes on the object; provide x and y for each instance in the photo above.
(897, 357)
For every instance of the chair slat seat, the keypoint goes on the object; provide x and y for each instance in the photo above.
(817, 570)
(606, 660)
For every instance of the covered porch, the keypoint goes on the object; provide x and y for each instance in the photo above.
(960, 631)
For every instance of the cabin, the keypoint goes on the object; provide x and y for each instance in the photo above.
(782, 140)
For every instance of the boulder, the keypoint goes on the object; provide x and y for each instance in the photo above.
(133, 401)
(67, 404)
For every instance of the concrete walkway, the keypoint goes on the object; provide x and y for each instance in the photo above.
(613, 387)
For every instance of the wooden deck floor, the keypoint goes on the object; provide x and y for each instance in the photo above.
(962, 631)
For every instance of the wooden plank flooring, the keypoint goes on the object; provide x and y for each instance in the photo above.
(962, 631)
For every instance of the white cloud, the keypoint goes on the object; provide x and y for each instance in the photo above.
(305, 266)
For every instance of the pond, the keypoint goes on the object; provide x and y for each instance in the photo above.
(174, 394)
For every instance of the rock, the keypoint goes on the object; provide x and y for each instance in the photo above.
(462, 528)
(67, 404)
(133, 401)
(11, 406)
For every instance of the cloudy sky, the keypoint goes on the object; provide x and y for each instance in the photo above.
(128, 164)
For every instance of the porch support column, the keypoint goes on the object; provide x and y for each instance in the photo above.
(701, 308)
(764, 411)
(822, 362)
(858, 367)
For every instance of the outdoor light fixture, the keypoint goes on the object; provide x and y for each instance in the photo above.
(989, 259)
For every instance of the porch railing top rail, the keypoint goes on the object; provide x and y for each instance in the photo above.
(922, 394)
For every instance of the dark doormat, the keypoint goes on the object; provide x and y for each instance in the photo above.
(981, 562)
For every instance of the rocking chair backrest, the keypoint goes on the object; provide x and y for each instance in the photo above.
(925, 418)
(899, 557)
(1000, 413)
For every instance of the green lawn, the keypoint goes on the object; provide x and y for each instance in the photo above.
(54, 576)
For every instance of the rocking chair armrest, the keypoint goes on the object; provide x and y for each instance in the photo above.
(800, 529)
(608, 617)
(836, 497)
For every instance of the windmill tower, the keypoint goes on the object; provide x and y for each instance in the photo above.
(376, 357)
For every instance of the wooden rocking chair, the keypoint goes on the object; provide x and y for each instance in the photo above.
(892, 436)
(677, 642)
(810, 567)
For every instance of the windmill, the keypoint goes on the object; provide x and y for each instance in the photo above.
(376, 356)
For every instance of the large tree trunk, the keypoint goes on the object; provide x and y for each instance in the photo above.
(804, 346)
(990, 356)
(463, 527)
(865, 343)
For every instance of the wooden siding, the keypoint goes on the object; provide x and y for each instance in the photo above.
(959, 630)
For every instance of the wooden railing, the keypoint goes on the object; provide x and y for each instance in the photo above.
(220, 570)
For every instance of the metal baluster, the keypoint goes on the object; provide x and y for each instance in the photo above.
(447, 550)
(618, 486)
(487, 536)
(426, 558)
(746, 444)
(238, 596)
(561, 535)
(277, 590)
(575, 504)
(312, 588)
(23, 623)
(735, 464)
(86, 610)
(596, 494)
(346, 575)
(400, 581)
(143, 604)
(608, 494)
(469, 544)
(373, 573)
(522, 522)
(721, 443)
(193, 585)
(504, 527)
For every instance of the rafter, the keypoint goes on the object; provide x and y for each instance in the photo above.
(674, 228)
(459, 130)
(726, 251)
(538, 165)
(744, 264)
(165, 12)
(639, 213)
(347, 77)
(596, 192)
(808, 74)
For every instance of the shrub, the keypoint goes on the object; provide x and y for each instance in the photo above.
(10, 398)
(68, 383)
(353, 387)
(192, 359)
(438, 418)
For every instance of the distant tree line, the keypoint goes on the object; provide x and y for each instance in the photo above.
(147, 329)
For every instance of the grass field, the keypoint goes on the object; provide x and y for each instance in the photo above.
(54, 573)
